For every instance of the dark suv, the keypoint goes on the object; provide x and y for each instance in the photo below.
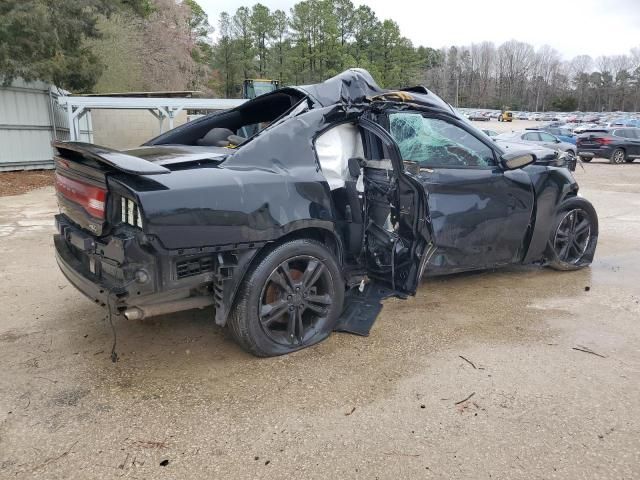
(619, 145)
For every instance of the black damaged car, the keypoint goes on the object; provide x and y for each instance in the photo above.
(296, 212)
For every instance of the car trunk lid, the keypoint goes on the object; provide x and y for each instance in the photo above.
(81, 183)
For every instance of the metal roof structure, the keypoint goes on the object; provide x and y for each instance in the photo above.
(159, 107)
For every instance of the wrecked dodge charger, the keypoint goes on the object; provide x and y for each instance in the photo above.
(295, 213)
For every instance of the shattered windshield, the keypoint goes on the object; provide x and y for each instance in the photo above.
(433, 142)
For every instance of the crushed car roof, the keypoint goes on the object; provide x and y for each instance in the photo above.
(357, 86)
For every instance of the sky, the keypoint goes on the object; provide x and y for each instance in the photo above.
(573, 27)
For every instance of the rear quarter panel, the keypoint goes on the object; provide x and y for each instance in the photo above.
(267, 188)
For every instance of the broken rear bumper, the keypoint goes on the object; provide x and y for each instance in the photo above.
(98, 290)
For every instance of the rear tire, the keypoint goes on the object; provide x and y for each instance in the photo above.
(618, 156)
(586, 159)
(290, 299)
(574, 235)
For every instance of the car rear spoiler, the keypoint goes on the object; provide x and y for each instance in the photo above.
(112, 158)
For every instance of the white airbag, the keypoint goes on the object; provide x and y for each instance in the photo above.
(334, 149)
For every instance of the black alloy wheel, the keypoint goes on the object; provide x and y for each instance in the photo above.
(291, 298)
(572, 236)
(296, 300)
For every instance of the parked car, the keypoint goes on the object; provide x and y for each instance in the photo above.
(541, 138)
(522, 116)
(586, 127)
(346, 194)
(619, 145)
(490, 133)
(560, 132)
(479, 117)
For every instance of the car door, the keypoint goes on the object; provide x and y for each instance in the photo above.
(410, 216)
(633, 142)
(479, 212)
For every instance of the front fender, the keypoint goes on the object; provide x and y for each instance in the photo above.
(551, 187)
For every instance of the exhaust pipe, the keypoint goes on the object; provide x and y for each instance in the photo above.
(154, 309)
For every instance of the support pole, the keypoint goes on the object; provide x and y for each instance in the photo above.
(72, 133)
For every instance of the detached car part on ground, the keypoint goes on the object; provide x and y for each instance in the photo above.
(343, 194)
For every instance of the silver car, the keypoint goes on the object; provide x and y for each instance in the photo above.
(541, 139)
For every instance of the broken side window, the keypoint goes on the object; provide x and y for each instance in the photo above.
(433, 142)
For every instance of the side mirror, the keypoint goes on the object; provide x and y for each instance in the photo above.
(515, 160)
(355, 164)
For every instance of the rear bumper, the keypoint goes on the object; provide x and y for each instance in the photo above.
(604, 152)
(96, 289)
(116, 270)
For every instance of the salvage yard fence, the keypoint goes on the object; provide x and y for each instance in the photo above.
(30, 119)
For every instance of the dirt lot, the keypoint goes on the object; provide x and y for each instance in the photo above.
(185, 402)
(16, 183)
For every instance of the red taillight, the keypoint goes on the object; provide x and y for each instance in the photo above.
(91, 198)
(603, 140)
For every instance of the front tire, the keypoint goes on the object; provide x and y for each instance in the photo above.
(571, 160)
(290, 299)
(618, 156)
(574, 235)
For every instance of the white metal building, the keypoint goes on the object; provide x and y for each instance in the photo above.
(30, 118)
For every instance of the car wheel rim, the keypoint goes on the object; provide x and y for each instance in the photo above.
(296, 300)
(618, 157)
(572, 236)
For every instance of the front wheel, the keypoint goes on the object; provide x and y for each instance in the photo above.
(574, 235)
(618, 156)
(571, 160)
(291, 299)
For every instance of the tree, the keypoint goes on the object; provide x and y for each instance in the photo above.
(564, 104)
(119, 50)
(45, 40)
(262, 26)
(225, 55)
(281, 45)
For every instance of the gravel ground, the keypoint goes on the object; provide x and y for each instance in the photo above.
(16, 183)
(525, 402)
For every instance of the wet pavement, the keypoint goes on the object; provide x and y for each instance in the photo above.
(519, 373)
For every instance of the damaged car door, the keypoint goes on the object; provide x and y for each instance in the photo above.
(397, 236)
(480, 212)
